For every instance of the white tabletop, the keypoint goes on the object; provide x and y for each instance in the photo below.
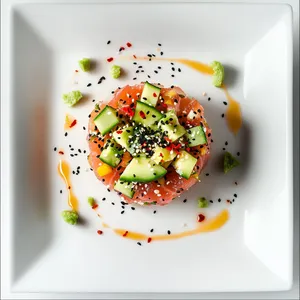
(291, 294)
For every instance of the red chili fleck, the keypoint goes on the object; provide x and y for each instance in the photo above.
(73, 123)
(164, 105)
(99, 232)
(161, 155)
(228, 201)
(201, 218)
(110, 59)
(188, 149)
(95, 206)
(125, 233)
(142, 114)
(61, 152)
(128, 45)
(121, 48)
(134, 56)
(149, 240)
(144, 144)
(119, 131)
(154, 95)
(128, 111)
(76, 71)
(169, 148)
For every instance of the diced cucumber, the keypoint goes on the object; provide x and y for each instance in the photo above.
(142, 169)
(163, 155)
(121, 136)
(111, 154)
(146, 114)
(171, 126)
(150, 94)
(126, 188)
(106, 120)
(184, 164)
(196, 136)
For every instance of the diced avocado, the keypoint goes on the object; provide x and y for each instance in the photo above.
(184, 164)
(72, 98)
(115, 71)
(230, 162)
(126, 188)
(146, 114)
(150, 94)
(70, 216)
(218, 76)
(142, 169)
(196, 136)
(106, 120)
(111, 154)
(170, 125)
(162, 155)
(122, 136)
(85, 64)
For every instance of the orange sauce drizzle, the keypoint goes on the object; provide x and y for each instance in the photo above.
(233, 112)
(64, 172)
(206, 226)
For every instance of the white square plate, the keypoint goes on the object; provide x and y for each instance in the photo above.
(253, 251)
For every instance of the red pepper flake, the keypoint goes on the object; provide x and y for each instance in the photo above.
(99, 232)
(134, 56)
(149, 240)
(154, 95)
(144, 144)
(228, 201)
(128, 44)
(161, 155)
(121, 49)
(61, 152)
(76, 71)
(200, 218)
(119, 131)
(95, 206)
(110, 59)
(125, 233)
(168, 140)
(188, 149)
(164, 105)
(73, 123)
(142, 114)
(127, 110)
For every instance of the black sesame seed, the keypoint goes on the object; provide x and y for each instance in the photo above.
(133, 208)
(224, 102)
(83, 128)
(55, 149)
(235, 195)
(184, 201)
(89, 84)
(179, 70)
(208, 99)
(154, 211)
(169, 232)
(134, 78)
(151, 230)
(122, 212)
(135, 63)
(172, 75)
(159, 67)
(211, 201)
(149, 76)
(155, 71)
(161, 53)
(159, 44)
(219, 200)
(137, 71)
(108, 42)
(60, 191)
(238, 154)
(226, 143)
(207, 174)
(172, 64)
(139, 243)
(224, 149)
(112, 203)
(173, 69)
(66, 134)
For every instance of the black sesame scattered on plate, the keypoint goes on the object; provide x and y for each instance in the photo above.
(224, 149)
(184, 201)
(122, 212)
(238, 154)
(223, 115)
(134, 78)
(133, 208)
(60, 191)
(89, 84)
(151, 230)
(226, 143)
(208, 98)
(55, 149)
(83, 127)
(103, 199)
(156, 72)
(224, 102)
(159, 44)
(235, 195)
(139, 243)
(169, 232)
(207, 174)
(154, 211)
(219, 200)
(211, 201)
(66, 134)
(112, 203)
(161, 53)
(108, 42)
(172, 75)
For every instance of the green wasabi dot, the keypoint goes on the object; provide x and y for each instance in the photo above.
(202, 202)
(91, 201)
(72, 98)
(115, 71)
(218, 75)
(70, 216)
(230, 162)
(85, 64)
